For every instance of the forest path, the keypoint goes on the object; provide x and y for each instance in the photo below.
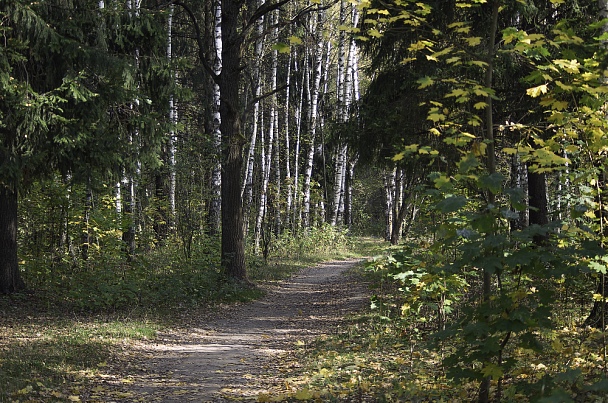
(235, 355)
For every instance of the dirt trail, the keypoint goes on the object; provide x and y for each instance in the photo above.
(228, 355)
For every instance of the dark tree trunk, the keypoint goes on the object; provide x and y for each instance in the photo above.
(398, 220)
(86, 231)
(597, 316)
(233, 242)
(10, 279)
(539, 213)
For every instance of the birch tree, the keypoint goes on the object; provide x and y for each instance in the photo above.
(316, 73)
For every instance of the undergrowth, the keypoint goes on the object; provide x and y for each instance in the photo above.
(398, 350)
(78, 321)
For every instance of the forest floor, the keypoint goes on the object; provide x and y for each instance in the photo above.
(239, 352)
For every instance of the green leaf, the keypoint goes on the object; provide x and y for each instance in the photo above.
(451, 204)
(467, 163)
(492, 182)
(424, 82)
(281, 47)
(598, 267)
(492, 370)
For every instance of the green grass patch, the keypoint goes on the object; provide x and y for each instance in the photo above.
(54, 355)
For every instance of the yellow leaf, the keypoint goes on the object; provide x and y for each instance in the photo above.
(374, 32)
(473, 40)
(25, 390)
(74, 398)
(303, 394)
(537, 91)
(480, 105)
(509, 150)
(294, 40)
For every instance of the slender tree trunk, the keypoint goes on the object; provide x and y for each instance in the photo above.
(286, 123)
(348, 203)
(314, 103)
(216, 174)
(389, 195)
(597, 316)
(172, 138)
(276, 200)
(297, 208)
(86, 217)
(10, 278)
(484, 387)
(247, 189)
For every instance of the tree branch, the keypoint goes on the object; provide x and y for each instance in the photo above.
(263, 96)
(199, 40)
(263, 10)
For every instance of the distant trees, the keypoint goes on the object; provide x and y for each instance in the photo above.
(108, 101)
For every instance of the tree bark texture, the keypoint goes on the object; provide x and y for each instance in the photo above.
(10, 278)
(233, 243)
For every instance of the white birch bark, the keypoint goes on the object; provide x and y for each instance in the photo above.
(216, 174)
(267, 159)
(342, 80)
(173, 122)
(305, 83)
(277, 144)
(314, 95)
(286, 123)
(247, 188)
(389, 191)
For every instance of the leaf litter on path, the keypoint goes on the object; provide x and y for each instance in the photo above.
(241, 353)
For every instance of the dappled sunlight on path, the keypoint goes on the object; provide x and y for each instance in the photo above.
(226, 356)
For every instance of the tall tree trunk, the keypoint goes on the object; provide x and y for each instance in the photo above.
(297, 208)
(10, 278)
(233, 242)
(597, 316)
(276, 200)
(314, 104)
(247, 189)
(216, 173)
(286, 123)
(484, 387)
(172, 138)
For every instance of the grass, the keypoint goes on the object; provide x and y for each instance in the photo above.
(56, 342)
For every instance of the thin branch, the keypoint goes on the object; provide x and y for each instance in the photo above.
(308, 10)
(264, 96)
(263, 10)
(199, 40)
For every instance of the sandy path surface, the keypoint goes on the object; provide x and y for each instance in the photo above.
(225, 358)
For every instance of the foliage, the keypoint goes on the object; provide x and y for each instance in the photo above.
(382, 355)
(506, 275)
